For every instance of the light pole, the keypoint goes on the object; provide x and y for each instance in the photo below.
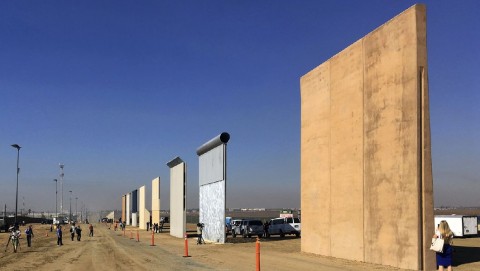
(18, 171)
(70, 217)
(61, 184)
(76, 214)
(56, 192)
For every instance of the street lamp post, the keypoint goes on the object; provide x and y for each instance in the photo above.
(56, 192)
(70, 217)
(16, 146)
(61, 184)
(76, 214)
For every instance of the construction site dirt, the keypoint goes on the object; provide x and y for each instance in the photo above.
(117, 250)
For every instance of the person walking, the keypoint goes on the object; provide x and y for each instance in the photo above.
(72, 231)
(79, 232)
(444, 259)
(266, 225)
(29, 234)
(199, 233)
(91, 230)
(59, 236)
(161, 225)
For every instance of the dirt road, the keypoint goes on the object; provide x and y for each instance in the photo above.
(112, 250)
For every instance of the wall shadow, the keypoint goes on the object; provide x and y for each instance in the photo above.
(464, 255)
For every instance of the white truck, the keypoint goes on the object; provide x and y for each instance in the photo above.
(461, 225)
(284, 225)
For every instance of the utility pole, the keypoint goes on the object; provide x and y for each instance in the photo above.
(56, 192)
(61, 184)
(76, 213)
(16, 146)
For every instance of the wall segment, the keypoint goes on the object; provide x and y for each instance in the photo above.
(366, 180)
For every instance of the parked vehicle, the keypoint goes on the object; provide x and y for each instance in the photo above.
(47, 221)
(247, 228)
(284, 225)
(461, 225)
(3, 225)
(252, 227)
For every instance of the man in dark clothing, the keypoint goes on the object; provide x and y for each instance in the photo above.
(79, 232)
(29, 233)
(59, 236)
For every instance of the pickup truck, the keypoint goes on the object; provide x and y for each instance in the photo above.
(284, 225)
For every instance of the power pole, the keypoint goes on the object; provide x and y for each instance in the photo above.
(61, 184)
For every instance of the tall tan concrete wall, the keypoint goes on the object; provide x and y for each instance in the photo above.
(124, 206)
(365, 149)
(142, 223)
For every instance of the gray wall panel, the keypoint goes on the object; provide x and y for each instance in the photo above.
(212, 165)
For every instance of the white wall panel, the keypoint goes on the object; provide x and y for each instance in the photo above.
(212, 211)
(178, 200)
(129, 208)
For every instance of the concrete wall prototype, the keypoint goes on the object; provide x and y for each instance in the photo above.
(212, 180)
(366, 177)
(128, 212)
(146, 216)
(212, 206)
(142, 223)
(124, 206)
(135, 208)
(155, 201)
(178, 191)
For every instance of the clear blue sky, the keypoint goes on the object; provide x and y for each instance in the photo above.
(115, 89)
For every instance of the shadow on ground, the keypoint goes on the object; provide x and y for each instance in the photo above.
(465, 255)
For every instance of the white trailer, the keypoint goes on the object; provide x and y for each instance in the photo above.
(461, 225)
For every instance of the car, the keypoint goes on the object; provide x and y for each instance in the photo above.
(47, 221)
(284, 225)
(249, 227)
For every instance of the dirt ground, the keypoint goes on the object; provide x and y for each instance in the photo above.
(112, 250)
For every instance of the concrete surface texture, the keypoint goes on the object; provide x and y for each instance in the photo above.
(142, 223)
(155, 200)
(178, 200)
(124, 206)
(134, 196)
(212, 211)
(134, 219)
(128, 212)
(366, 176)
(212, 194)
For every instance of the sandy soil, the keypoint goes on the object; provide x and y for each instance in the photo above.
(109, 250)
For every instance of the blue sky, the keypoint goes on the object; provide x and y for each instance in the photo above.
(115, 89)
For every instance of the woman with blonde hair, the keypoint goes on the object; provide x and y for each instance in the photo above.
(444, 259)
